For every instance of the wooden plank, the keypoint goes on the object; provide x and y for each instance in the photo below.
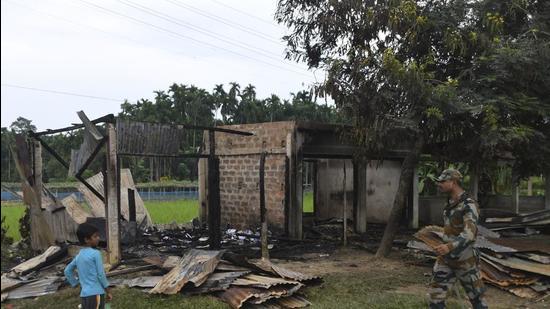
(112, 214)
(214, 207)
(74, 209)
(41, 234)
(89, 126)
(263, 211)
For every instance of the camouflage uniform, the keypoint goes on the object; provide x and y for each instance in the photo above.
(462, 261)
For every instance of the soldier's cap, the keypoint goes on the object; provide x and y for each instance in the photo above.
(449, 174)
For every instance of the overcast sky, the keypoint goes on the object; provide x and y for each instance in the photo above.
(126, 49)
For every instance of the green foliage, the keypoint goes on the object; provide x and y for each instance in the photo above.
(469, 77)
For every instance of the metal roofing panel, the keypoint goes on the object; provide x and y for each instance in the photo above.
(195, 267)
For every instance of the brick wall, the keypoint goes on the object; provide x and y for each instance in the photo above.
(239, 174)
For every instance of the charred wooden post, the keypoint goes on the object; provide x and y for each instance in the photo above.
(263, 211)
(132, 205)
(547, 190)
(41, 234)
(214, 211)
(111, 201)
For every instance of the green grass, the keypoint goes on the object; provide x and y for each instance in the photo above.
(180, 211)
(162, 212)
(308, 202)
(13, 212)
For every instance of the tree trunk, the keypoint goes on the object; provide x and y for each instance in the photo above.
(405, 181)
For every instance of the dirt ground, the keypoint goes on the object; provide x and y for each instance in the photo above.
(359, 261)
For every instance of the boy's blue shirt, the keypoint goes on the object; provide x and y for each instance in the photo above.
(91, 274)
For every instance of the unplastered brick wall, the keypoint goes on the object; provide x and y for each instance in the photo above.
(239, 174)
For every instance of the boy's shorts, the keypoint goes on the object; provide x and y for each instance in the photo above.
(93, 302)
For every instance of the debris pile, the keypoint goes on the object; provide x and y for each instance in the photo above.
(231, 277)
(520, 266)
(234, 279)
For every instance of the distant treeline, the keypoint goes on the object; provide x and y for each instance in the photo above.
(180, 104)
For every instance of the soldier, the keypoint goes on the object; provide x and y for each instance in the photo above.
(457, 257)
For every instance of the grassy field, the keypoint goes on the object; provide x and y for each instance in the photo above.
(13, 212)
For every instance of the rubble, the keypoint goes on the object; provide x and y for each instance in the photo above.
(520, 266)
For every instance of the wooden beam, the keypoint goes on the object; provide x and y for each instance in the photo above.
(214, 208)
(110, 118)
(66, 165)
(41, 234)
(112, 214)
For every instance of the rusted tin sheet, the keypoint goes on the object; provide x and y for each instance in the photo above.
(144, 138)
(430, 235)
(266, 266)
(264, 282)
(269, 267)
(218, 281)
(36, 288)
(482, 242)
(236, 297)
(493, 275)
(226, 266)
(194, 267)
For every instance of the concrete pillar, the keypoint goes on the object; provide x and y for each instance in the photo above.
(360, 198)
(295, 210)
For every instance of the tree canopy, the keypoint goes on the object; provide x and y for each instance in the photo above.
(443, 73)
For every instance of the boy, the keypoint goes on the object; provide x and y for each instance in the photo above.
(91, 274)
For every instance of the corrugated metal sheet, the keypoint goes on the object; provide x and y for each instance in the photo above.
(37, 288)
(520, 264)
(143, 138)
(268, 266)
(482, 242)
(218, 281)
(226, 266)
(52, 253)
(126, 182)
(142, 282)
(525, 244)
(195, 267)
(265, 282)
(236, 297)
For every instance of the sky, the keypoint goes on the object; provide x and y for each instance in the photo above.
(62, 56)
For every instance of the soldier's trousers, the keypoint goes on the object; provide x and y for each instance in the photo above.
(445, 276)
